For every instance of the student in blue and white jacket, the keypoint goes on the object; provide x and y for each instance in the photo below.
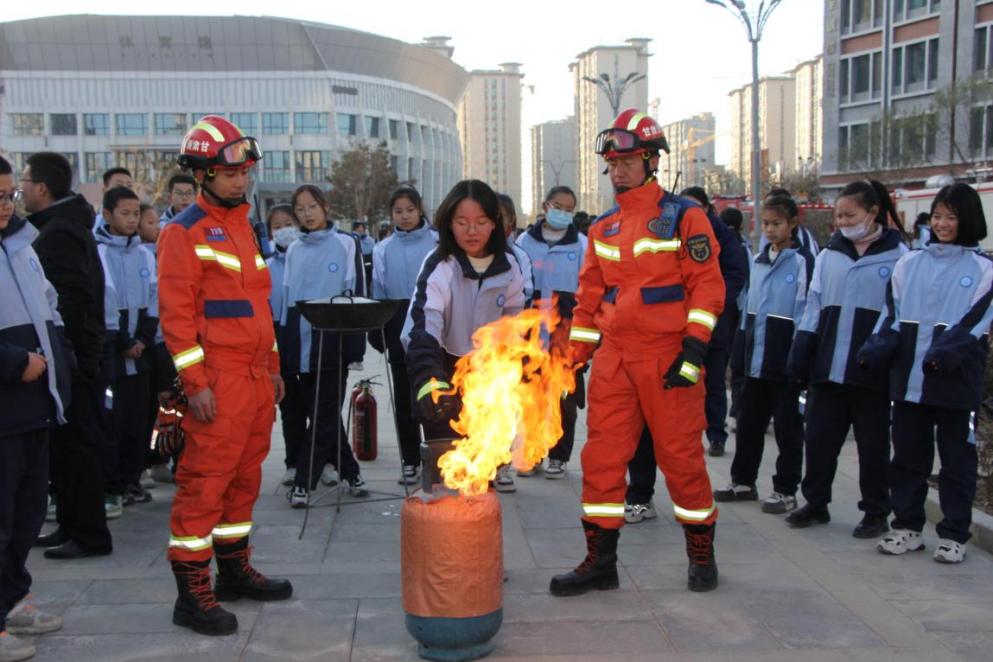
(471, 279)
(396, 261)
(935, 338)
(133, 291)
(847, 293)
(283, 231)
(324, 262)
(771, 306)
(555, 250)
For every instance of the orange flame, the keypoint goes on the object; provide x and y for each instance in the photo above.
(510, 385)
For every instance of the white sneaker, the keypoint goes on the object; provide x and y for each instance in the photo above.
(900, 541)
(290, 476)
(113, 505)
(14, 649)
(504, 481)
(555, 470)
(356, 487)
(949, 551)
(25, 619)
(635, 512)
(298, 498)
(329, 476)
(410, 474)
(777, 503)
(146, 479)
(527, 473)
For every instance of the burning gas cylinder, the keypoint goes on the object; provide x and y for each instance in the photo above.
(452, 567)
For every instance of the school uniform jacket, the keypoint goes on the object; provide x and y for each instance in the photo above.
(555, 268)
(771, 306)
(934, 335)
(847, 293)
(321, 264)
(451, 300)
(134, 296)
(29, 322)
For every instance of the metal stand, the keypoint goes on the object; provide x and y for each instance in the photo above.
(337, 489)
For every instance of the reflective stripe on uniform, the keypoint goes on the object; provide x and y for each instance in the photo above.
(188, 358)
(647, 245)
(702, 317)
(238, 530)
(259, 262)
(190, 543)
(694, 515)
(606, 251)
(433, 385)
(690, 372)
(633, 122)
(584, 335)
(603, 509)
(226, 260)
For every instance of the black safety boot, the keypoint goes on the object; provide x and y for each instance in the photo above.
(236, 578)
(700, 550)
(196, 607)
(597, 571)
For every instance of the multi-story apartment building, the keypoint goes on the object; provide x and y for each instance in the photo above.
(594, 110)
(490, 125)
(553, 158)
(777, 128)
(691, 151)
(808, 80)
(890, 108)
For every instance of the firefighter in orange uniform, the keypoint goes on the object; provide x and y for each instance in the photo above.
(650, 292)
(214, 309)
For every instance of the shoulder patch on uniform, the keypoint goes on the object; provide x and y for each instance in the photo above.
(664, 226)
(699, 247)
(189, 216)
(612, 229)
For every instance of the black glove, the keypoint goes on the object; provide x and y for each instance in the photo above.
(685, 370)
(446, 408)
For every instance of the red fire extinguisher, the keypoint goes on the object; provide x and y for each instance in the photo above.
(364, 443)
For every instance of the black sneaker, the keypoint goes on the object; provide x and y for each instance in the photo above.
(135, 493)
(736, 492)
(871, 526)
(808, 516)
(716, 449)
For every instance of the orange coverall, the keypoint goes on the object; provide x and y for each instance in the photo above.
(214, 309)
(649, 278)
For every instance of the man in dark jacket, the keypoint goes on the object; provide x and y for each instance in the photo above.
(68, 254)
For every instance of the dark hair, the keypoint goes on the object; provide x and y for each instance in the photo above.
(924, 218)
(143, 207)
(53, 170)
(782, 204)
(182, 178)
(314, 191)
(285, 208)
(869, 193)
(733, 218)
(107, 174)
(409, 192)
(507, 207)
(114, 196)
(778, 190)
(469, 189)
(964, 202)
(697, 193)
(5, 167)
(555, 190)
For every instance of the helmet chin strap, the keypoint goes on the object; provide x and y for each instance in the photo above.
(227, 203)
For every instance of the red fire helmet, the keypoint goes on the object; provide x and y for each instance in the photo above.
(631, 132)
(214, 142)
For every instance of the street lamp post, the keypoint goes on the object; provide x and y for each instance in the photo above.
(556, 168)
(754, 21)
(614, 91)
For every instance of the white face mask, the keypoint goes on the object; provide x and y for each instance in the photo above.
(860, 231)
(285, 236)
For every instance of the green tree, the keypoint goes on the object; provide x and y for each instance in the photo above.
(361, 183)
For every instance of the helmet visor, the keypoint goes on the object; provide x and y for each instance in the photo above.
(617, 140)
(240, 152)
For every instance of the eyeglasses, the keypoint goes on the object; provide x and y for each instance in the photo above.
(184, 194)
(13, 197)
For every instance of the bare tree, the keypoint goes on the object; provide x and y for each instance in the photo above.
(361, 183)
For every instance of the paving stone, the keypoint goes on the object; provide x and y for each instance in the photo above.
(181, 644)
(139, 619)
(303, 630)
(804, 632)
(612, 640)
(697, 621)
(347, 585)
(132, 591)
(606, 606)
(949, 616)
(380, 633)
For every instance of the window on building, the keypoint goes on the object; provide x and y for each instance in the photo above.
(27, 124)
(394, 163)
(247, 122)
(372, 127)
(860, 77)
(131, 124)
(394, 129)
(348, 124)
(170, 124)
(858, 145)
(276, 166)
(73, 159)
(912, 140)
(981, 132)
(981, 49)
(915, 67)
(411, 170)
(310, 122)
(95, 164)
(859, 15)
(64, 124)
(275, 124)
(312, 166)
(410, 132)
(905, 10)
(137, 162)
(96, 124)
